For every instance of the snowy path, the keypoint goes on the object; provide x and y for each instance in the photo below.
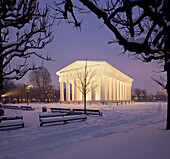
(126, 131)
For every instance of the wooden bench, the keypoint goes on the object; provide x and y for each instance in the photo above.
(1, 112)
(60, 118)
(11, 121)
(27, 108)
(88, 112)
(61, 110)
(11, 107)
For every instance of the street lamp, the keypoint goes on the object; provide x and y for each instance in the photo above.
(27, 91)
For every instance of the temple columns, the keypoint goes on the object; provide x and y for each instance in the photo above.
(61, 91)
(67, 91)
(107, 88)
(114, 89)
(110, 88)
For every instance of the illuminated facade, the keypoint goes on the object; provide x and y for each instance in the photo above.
(112, 85)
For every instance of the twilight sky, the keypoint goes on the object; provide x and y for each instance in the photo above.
(91, 43)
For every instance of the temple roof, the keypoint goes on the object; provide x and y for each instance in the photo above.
(79, 64)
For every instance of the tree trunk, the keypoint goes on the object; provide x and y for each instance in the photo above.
(1, 78)
(84, 103)
(1, 84)
(167, 66)
(168, 103)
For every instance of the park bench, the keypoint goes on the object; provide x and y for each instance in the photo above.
(61, 110)
(63, 118)
(27, 108)
(1, 111)
(15, 121)
(11, 107)
(88, 112)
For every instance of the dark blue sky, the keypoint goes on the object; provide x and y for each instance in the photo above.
(91, 43)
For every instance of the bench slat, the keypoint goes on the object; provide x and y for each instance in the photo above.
(26, 108)
(61, 110)
(64, 119)
(88, 111)
(12, 124)
(52, 115)
(11, 118)
(10, 107)
(10, 121)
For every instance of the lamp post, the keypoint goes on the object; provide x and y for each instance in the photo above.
(27, 91)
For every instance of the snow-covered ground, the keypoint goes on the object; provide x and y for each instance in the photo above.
(131, 131)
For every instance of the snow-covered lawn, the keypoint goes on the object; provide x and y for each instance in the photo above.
(131, 131)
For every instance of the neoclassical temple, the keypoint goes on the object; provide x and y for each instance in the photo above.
(110, 83)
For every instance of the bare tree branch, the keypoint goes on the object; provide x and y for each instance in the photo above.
(142, 27)
(23, 30)
(87, 81)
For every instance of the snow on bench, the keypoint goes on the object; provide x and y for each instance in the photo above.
(18, 108)
(52, 115)
(11, 107)
(88, 111)
(60, 118)
(15, 121)
(27, 108)
(61, 110)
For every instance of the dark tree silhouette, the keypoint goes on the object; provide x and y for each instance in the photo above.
(142, 27)
(140, 93)
(41, 80)
(24, 28)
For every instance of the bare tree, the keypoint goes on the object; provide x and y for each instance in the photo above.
(142, 27)
(138, 93)
(141, 94)
(41, 79)
(87, 82)
(24, 28)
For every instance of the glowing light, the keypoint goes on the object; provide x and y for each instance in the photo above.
(9, 93)
(29, 86)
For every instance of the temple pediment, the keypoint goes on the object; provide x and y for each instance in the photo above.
(100, 67)
(79, 65)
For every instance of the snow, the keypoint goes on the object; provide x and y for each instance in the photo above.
(127, 131)
(137, 40)
(168, 24)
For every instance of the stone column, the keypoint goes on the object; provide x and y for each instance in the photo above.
(73, 89)
(106, 88)
(103, 88)
(93, 91)
(118, 90)
(114, 89)
(79, 93)
(98, 88)
(110, 88)
(67, 91)
(126, 91)
(130, 91)
(123, 91)
(61, 91)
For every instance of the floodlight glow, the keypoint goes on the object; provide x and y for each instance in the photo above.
(9, 93)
